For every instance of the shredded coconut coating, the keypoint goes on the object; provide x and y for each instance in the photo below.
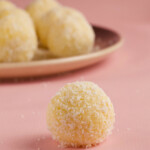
(6, 5)
(66, 32)
(18, 40)
(38, 8)
(80, 115)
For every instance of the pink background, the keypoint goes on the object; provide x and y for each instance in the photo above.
(125, 76)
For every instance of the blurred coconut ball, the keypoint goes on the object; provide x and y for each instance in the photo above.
(38, 8)
(80, 115)
(18, 40)
(6, 5)
(66, 32)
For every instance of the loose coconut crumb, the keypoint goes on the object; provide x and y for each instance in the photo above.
(22, 116)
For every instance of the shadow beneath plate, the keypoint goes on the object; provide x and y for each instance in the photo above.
(55, 77)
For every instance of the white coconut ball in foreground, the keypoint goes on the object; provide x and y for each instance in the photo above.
(18, 41)
(80, 115)
(66, 32)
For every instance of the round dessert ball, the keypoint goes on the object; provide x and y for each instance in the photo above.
(39, 7)
(80, 115)
(18, 40)
(6, 5)
(66, 32)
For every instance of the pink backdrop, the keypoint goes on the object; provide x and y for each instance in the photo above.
(125, 76)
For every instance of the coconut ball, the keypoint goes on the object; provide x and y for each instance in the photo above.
(6, 5)
(80, 115)
(39, 7)
(66, 32)
(18, 40)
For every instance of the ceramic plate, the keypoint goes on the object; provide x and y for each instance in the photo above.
(107, 41)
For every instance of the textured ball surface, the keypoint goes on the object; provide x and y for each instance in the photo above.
(39, 7)
(18, 40)
(66, 32)
(6, 5)
(80, 115)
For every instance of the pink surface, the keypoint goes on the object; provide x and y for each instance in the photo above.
(125, 76)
